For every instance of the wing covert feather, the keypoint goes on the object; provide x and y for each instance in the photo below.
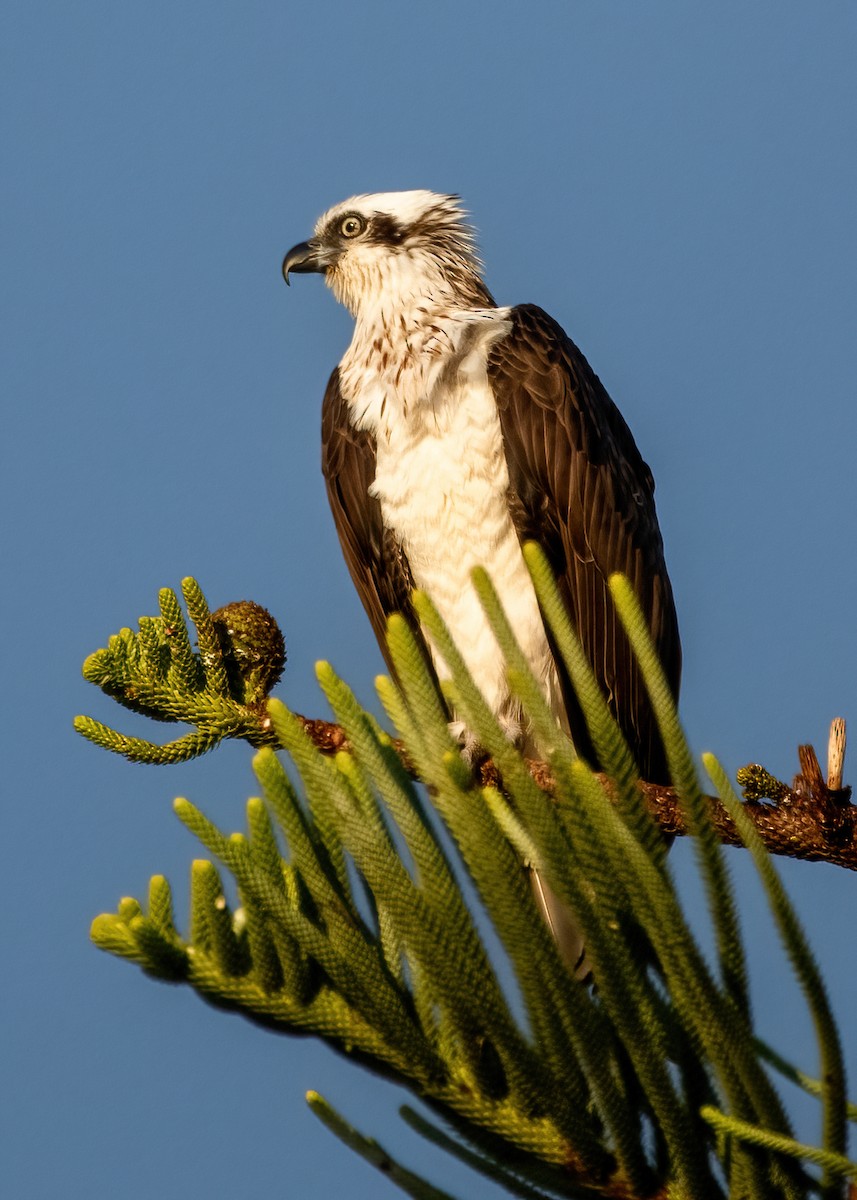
(580, 488)
(375, 560)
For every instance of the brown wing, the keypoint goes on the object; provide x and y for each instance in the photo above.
(580, 488)
(375, 559)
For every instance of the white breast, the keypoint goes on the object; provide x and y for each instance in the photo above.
(442, 482)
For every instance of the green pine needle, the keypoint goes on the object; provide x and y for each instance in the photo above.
(373, 1152)
(210, 650)
(835, 1165)
(804, 965)
(711, 859)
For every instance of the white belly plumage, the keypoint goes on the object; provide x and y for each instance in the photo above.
(442, 483)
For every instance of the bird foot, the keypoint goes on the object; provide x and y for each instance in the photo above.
(472, 750)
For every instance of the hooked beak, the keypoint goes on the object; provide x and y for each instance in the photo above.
(306, 257)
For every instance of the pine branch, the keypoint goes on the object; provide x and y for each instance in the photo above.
(805, 820)
(222, 691)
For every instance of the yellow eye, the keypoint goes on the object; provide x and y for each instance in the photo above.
(352, 226)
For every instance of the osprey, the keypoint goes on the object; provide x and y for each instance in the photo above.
(453, 431)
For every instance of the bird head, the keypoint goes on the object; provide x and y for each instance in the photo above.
(393, 249)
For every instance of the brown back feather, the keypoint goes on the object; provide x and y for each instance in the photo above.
(580, 488)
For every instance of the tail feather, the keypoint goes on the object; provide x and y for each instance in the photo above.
(563, 926)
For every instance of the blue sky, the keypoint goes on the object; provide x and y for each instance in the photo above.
(675, 183)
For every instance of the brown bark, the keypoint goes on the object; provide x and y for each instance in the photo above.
(806, 820)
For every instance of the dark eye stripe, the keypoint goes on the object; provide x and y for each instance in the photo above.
(386, 230)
